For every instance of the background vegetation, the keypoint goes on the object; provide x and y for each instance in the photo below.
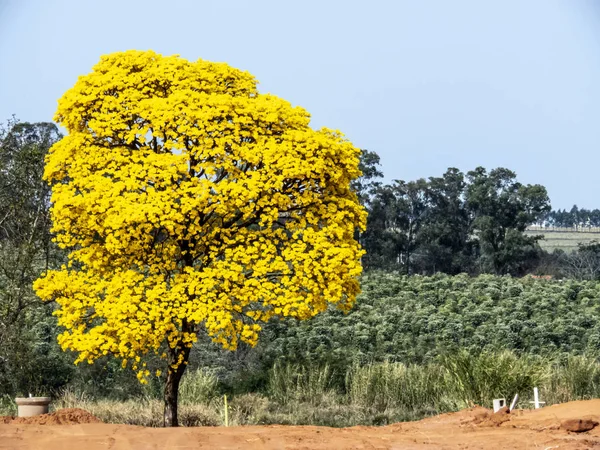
(442, 321)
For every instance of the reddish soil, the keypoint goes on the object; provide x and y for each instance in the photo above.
(475, 428)
(67, 416)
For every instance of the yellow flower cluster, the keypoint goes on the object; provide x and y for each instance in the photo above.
(187, 199)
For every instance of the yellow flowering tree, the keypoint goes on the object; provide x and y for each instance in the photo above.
(187, 199)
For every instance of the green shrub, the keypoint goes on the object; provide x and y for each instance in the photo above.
(8, 407)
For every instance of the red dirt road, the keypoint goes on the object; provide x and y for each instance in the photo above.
(475, 428)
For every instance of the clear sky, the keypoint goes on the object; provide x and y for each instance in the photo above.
(426, 84)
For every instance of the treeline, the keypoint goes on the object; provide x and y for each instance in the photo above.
(577, 218)
(29, 354)
(471, 222)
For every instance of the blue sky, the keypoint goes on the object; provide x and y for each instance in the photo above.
(426, 84)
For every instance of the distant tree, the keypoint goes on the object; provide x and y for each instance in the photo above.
(366, 185)
(412, 209)
(501, 210)
(455, 224)
(595, 218)
(188, 201)
(26, 251)
(445, 242)
(385, 237)
(365, 188)
(575, 217)
(584, 264)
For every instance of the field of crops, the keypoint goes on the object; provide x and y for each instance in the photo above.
(565, 239)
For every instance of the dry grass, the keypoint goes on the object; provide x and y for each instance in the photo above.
(139, 411)
(375, 394)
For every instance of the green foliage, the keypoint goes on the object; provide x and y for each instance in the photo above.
(416, 319)
(482, 378)
(393, 385)
(501, 209)
(8, 407)
(30, 361)
(365, 185)
(575, 378)
(298, 383)
(455, 223)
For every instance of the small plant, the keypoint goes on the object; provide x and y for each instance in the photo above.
(8, 407)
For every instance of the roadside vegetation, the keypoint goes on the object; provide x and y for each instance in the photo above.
(372, 394)
(417, 342)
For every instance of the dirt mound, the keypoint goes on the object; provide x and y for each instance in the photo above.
(67, 416)
(489, 419)
(578, 425)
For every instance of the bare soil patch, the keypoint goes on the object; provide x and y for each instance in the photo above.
(474, 428)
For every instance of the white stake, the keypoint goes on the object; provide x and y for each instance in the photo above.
(514, 402)
(536, 399)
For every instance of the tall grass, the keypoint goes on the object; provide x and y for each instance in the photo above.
(144, 411)
(479, 379)
(577, 378)
(372, 394)
(198, 386)
(394, 385)
(293, 382)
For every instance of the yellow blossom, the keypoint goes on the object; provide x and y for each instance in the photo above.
(187, 200)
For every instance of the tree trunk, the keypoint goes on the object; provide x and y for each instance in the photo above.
(172, 386)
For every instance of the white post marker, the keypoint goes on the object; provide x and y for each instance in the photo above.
(514, 402)
(536, 399)
(499, 403)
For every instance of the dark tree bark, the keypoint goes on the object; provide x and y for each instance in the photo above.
(171, 394)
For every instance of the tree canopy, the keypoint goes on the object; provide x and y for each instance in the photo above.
(27, 354)
(188, 200)
(455, 223)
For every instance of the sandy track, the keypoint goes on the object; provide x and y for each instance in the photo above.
(476, 428)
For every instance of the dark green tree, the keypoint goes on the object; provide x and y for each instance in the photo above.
(396, 214)
(501, 209)
(366, 185)
(27, 336)
(445, 242)
(412, 210)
